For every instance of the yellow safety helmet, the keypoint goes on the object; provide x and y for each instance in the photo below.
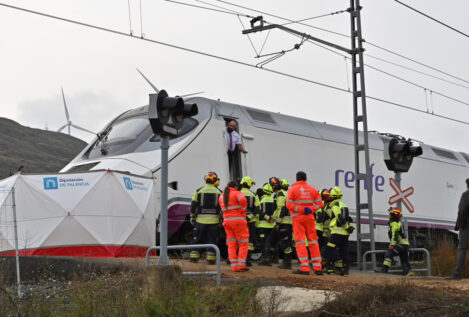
(285, 184)
(267, 189)
(335, 192)
(247, 181)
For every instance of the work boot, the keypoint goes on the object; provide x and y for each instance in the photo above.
(286, 263)
(345, 271)
(244, 269)
(300, 272)
(267, 258)
(318, 273)
(275, 256)
(248, 259)
(384, 269)
(211, 262)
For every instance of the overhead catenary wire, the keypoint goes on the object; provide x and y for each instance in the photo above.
(219, 58)
(431, 18)
(285, 19)
(348, 36)
(416, 71)
(417, 62)
(388, 73)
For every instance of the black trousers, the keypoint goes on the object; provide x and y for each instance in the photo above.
(265, 235)
(234, 164)
(337, 249)
(204, 234)
(252, 235)
(285, 238)
(403, 252)
(322, 240)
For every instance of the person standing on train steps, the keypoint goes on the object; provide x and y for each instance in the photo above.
(233, 205)
(205, 216)
(303, 201)
(462, 225)
(234, 146)
(252, 212)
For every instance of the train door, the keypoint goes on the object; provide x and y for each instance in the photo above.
(246, 159)
(234, 162)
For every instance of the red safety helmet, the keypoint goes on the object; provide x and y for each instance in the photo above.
(275, 182)
(395, 212)
(211, 177)
(325, 195)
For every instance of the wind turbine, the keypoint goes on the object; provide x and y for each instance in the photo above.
(157, 90)
(67, 116)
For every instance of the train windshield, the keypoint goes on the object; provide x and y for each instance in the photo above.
(132, 133)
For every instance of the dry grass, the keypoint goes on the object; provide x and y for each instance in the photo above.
(444, 258)
(151, 293)
(402, 299)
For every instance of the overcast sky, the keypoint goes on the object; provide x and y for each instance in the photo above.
(38, 55)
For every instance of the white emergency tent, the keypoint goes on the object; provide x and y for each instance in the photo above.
(95, 214)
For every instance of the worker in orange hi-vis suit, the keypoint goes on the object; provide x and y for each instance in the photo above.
(233, 205)
(303, 201)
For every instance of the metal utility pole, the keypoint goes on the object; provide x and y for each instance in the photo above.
(362, 171)
(397, 178)
(360, 117)
(163, 259)
(17, 256)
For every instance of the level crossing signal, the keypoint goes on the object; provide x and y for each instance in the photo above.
(167, 114)
(399, 154)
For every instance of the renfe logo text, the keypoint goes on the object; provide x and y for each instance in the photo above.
(347, 178)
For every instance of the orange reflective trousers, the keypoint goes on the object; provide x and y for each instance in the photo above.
(237, 240)
(304, 230)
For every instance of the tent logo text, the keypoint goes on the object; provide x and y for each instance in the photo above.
(128, 183)
(50, 183)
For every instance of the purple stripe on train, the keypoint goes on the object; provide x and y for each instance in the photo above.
(177, 214)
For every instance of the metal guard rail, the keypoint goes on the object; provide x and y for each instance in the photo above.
(191, 246)
(428, 269)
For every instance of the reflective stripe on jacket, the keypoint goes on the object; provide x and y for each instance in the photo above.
(253, 204)
(339, 208)
(204, 205)
(267, 212)
(302, 195)
(236, 209)
(281, 214)
(396, 234)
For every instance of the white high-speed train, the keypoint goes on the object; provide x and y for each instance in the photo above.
(278, 145)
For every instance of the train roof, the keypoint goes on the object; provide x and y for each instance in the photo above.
(318, 130)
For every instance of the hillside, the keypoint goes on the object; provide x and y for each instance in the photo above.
(39, 151)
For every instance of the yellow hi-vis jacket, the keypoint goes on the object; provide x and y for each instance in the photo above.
(281, 214)
(253, 204)
(341, 219)
(396, 234)
(267, 205)
(205, 206)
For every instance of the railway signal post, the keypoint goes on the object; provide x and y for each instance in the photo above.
(399, 154)
(166, 115)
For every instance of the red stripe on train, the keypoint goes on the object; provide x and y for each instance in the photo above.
(92, 251)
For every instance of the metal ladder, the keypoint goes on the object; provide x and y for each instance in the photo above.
(360, 117)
